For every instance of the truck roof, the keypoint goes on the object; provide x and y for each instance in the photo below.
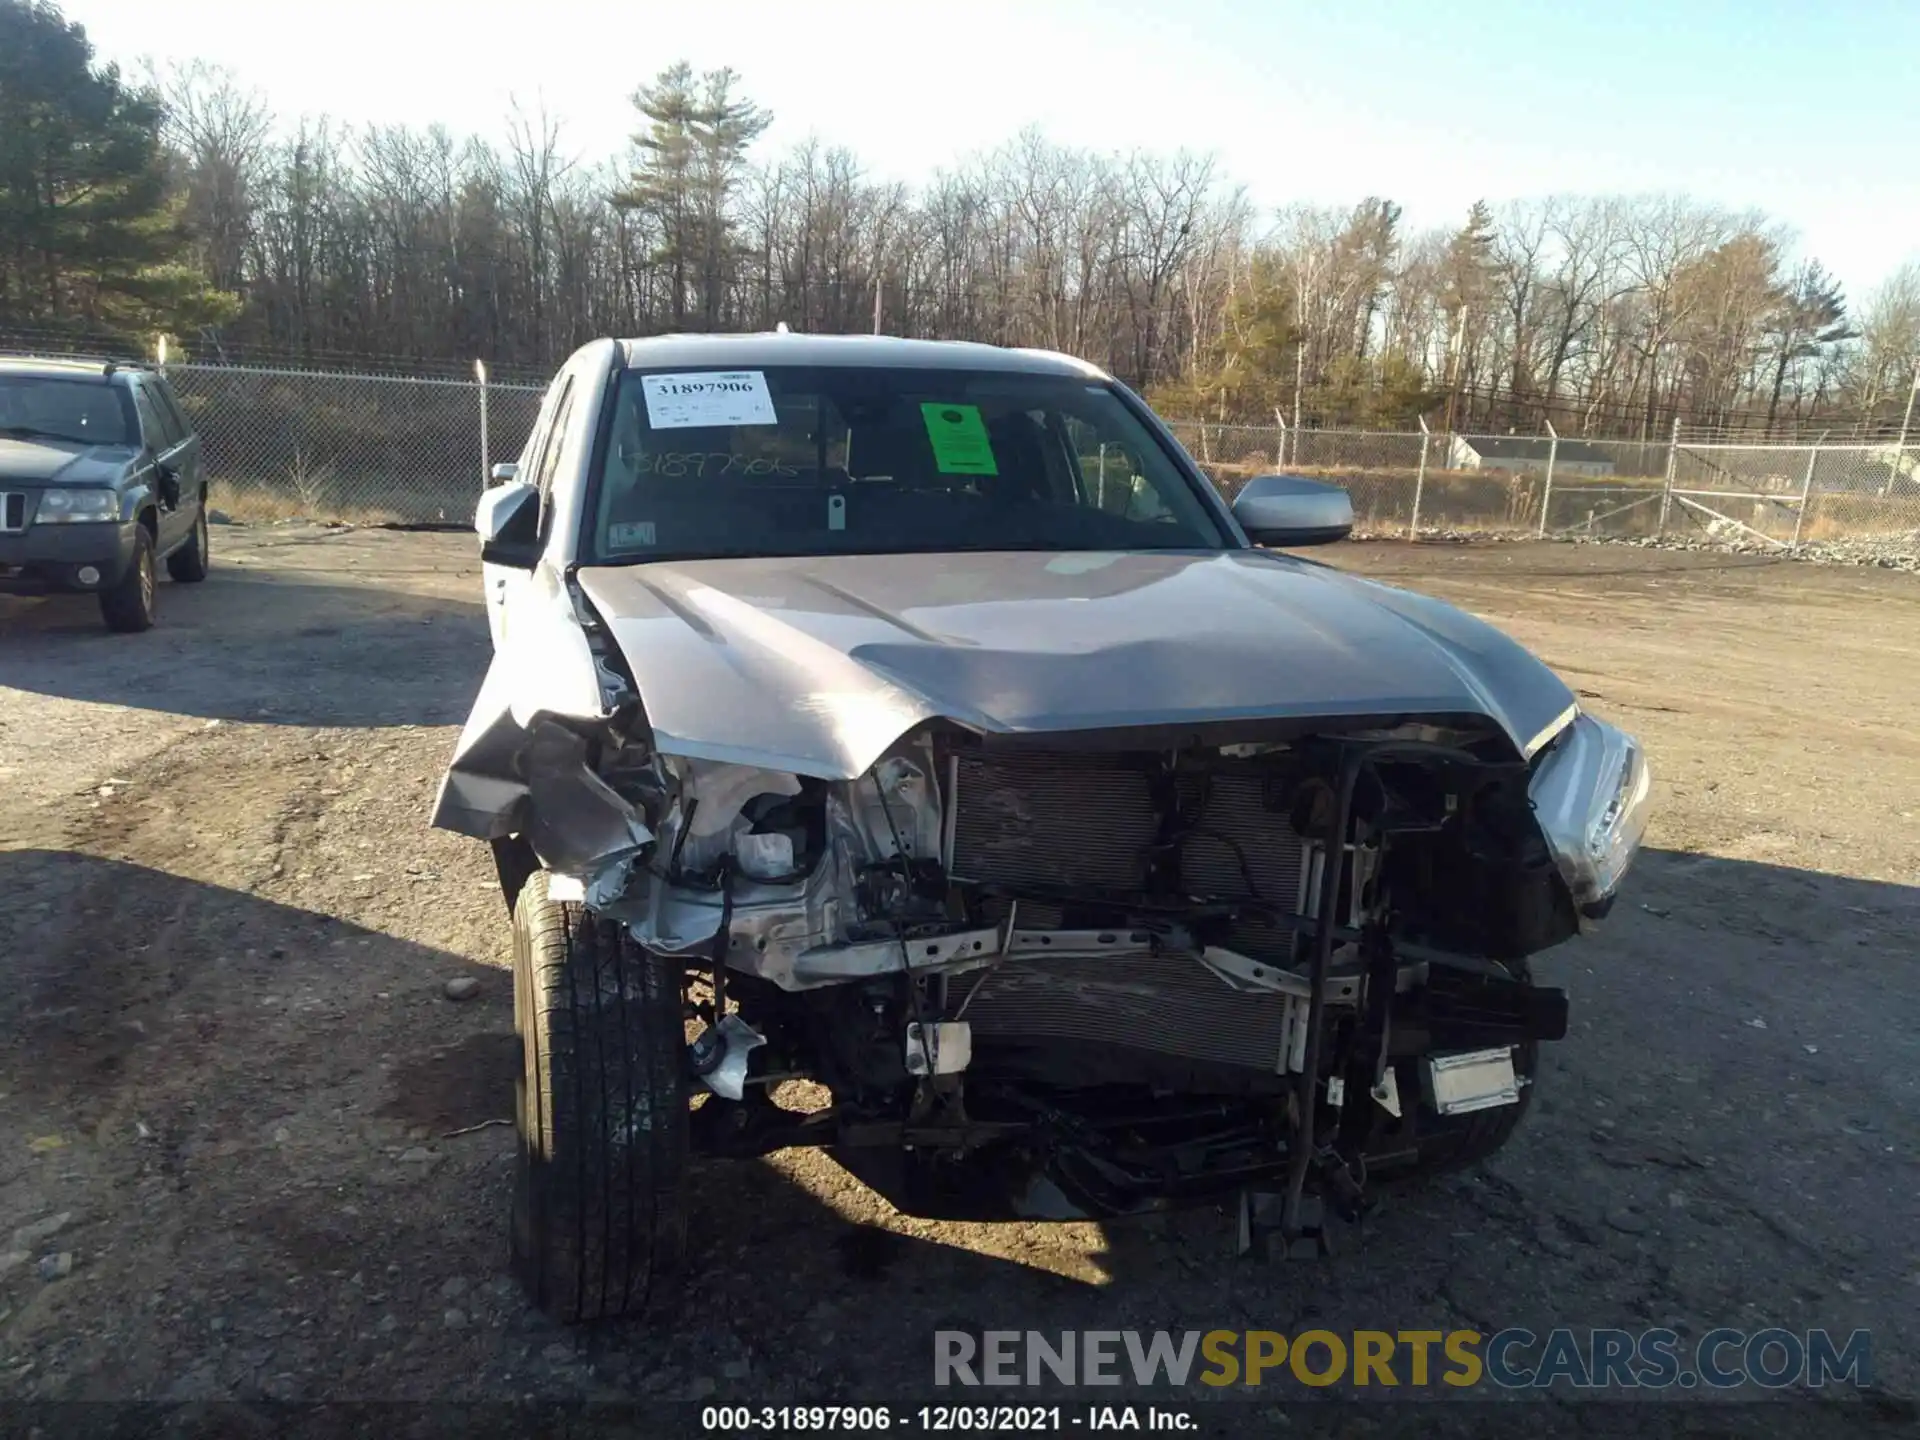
(884, 352)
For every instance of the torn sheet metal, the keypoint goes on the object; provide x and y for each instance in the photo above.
(545, 667)
(483, 792)
(577, 824)
(720, 1056)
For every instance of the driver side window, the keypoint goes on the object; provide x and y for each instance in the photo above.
(152, 430)
(1112, 479)
(550, 457)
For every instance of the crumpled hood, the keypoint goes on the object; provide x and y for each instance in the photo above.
(61, 462)
(816, 665)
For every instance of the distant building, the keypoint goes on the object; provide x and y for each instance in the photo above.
(1527, 455)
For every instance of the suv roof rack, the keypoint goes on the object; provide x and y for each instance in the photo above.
(105, 364)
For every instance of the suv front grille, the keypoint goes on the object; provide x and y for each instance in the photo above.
(13, 512)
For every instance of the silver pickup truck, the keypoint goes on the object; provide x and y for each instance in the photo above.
(915, 719)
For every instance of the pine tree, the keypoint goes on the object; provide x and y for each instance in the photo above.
(89, 237)
(1809, 316)
(725, 125)
(689, 164)
(1467, 286)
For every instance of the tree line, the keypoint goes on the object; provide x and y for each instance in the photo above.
(181, 203)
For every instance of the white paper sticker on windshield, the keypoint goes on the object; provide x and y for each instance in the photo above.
(708, 397)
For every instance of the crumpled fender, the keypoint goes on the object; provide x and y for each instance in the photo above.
(542, 687)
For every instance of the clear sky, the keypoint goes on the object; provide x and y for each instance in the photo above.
(1808, 109)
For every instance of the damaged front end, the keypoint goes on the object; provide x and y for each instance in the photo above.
(1061, 978)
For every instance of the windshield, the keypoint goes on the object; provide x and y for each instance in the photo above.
(86, 412)
(828, 461)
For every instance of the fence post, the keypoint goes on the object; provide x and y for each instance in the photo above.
(1666, 492)
(160, 353)
(1280, 455)
(1419, 480)
(1806, 489)
(1900, 445)
(480, 379)
(1546, 497)
(1299, 370)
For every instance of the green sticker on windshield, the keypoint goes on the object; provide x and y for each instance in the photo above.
(959, 436)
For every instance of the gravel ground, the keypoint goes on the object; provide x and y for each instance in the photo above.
(1887, 552)
(236, 1098)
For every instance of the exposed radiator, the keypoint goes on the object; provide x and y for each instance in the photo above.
(1060, 819)
(1168, 1004)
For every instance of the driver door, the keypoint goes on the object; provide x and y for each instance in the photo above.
(542, 442)
(167, 473)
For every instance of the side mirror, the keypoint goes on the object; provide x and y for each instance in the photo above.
(508, 523)
(503, 472)
(1291, 510)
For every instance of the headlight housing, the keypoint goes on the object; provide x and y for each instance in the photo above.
(76, 507)
(1590, 795)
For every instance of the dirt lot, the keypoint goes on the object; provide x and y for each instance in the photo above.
(225, 929)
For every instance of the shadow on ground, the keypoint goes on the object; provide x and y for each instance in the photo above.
(264, 648)
(257, 1106)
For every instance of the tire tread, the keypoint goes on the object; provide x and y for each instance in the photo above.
(599, 1202)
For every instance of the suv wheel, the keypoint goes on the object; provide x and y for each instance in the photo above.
(599, 1204)
(189, 562)
(130, 605)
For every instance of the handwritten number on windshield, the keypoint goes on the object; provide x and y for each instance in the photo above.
(704, 464)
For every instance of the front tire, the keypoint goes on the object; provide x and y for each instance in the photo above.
(599, 1201)
(188, 564)
(130, 606)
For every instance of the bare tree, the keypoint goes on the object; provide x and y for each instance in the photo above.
(1603, 313)
(221, 132)
(534, 170)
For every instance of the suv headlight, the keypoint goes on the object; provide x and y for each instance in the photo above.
(73, 507)
(1590, 794)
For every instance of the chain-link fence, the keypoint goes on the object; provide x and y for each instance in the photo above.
(1401, 482)
(369, 449)
(1704, 486)
(1786, 495)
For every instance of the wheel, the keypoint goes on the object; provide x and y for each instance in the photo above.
(189, 563)
(599, 1201)
(129, 606)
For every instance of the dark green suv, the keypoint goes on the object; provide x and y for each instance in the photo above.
(101, 479)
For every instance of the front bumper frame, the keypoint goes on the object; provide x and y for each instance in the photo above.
(47, 559)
